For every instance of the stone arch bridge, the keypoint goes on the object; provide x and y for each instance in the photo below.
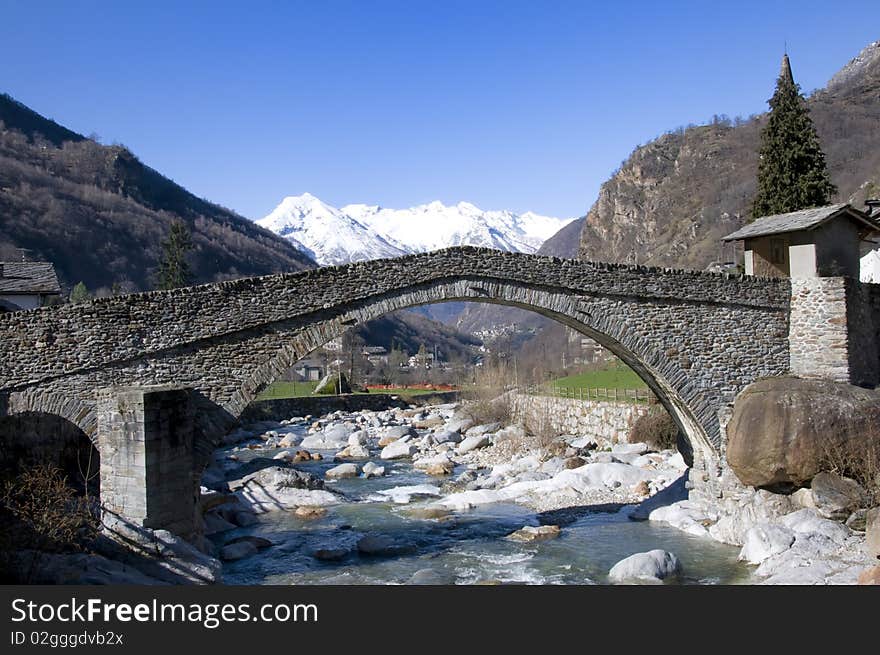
(108, 365)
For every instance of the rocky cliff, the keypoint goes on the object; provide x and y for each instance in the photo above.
(674, 198)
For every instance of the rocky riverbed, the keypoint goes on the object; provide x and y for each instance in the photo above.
(428, 495)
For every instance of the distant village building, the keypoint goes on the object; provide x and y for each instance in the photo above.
(836, 240)
(309, 369)
(376, 355)
(27, 285)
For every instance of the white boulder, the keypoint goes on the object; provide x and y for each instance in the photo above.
(765, 540)
(653, 566)
(473, 442)
(397, 450)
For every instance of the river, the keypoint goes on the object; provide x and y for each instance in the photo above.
(464, 547)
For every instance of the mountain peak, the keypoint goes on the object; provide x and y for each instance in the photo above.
(359, 231)
(857, 67)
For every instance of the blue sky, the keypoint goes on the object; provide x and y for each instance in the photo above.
(518, 105)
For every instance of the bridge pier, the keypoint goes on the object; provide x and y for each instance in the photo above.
(145, 437)
(834, 330)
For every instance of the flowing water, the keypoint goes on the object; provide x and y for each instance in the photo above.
(461, 548)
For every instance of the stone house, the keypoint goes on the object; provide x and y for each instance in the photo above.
(309, 369)
(27, 285)
(826, 241)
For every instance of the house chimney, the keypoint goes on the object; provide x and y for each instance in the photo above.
(872, 207)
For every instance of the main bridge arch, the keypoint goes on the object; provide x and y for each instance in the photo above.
(695, 338)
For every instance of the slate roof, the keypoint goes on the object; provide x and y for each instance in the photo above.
(26, 278)
(806, 219)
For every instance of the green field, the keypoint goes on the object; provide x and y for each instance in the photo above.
(615, 377)
(279, 389)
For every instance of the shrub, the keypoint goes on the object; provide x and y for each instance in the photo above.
(656, 428)
(860, 462)
(41, 512)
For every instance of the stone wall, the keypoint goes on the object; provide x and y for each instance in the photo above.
(863, 326)
(602, 421)
(818, 328)
(833, 331)
(695, 338)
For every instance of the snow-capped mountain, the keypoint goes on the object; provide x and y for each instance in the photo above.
(326, 234)
(358, 232)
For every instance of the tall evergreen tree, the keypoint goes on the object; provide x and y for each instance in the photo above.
(791, 172)
(174, 269)
(79, 293)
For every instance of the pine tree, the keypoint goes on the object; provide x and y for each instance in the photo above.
(174, 269)
(791, 172)
(79, 293)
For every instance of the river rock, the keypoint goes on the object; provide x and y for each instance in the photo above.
(629, 448)
(806, 522)
(353, 451)
(301, 456)
(783, 429)
(459, 424)
(803, 497)
(473, 442)
(397, 450)
(440, 468)
(358, 438)
(870, 576)
(872, 532)
(642, 488)
(530, 533)
(331, 437)
(372, 470)
(485, 428)
(310, 512)
(342, 471)
(445, 436)
(858, 520)
(238, 550)
(214, 523)
(765, 540)
(674, 493)
(406, 494)
(429, 512)
(652, 566)
(380, 545)
(277, 488)
(431, 577)
(244, 518)
(260, 543)
(573, 462)
(330, 554)
(392, 434)
(836, 497)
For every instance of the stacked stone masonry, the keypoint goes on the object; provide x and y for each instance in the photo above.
(601, 421)
(696, 338)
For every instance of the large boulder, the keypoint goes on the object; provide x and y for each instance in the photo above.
(784, 430)
(653, 566)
